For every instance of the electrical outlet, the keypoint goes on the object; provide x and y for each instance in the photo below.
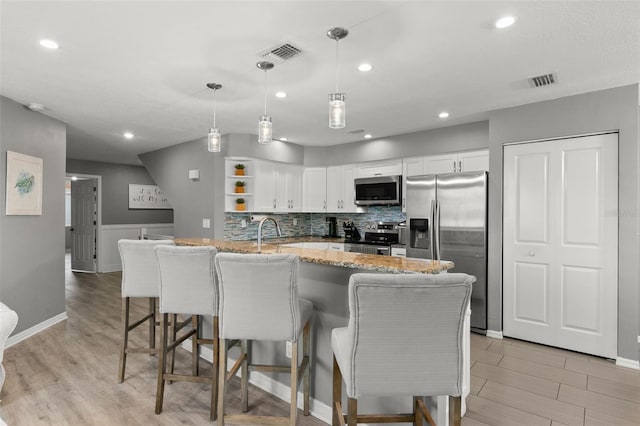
(288, 350)
(206, 223)
(295, 221)
(243, 223)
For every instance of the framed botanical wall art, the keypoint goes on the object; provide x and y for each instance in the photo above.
(24, 184)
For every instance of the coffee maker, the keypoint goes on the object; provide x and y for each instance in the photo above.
(333, 227)
(351, 233)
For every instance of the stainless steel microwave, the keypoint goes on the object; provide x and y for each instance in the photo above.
(379, 191)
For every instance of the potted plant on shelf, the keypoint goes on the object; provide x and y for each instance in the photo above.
(239, 169)
(239, 187)
(240, 205)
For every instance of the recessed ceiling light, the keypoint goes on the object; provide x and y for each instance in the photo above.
(365, 67)
(443, 114)
(36, 107)
(284, 139)
(505, 21)
(367, 136)
(281, 95)
(49, 44)
(128, 135)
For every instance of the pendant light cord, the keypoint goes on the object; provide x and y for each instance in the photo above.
(337, 68)
(265, 92)
(214, 109)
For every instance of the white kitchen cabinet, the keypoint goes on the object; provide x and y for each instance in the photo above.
(264, 199)
(398, 252)
(457, 162)
(314, 189)
(379, 168)
(412, 166)
(340, 189)
(288, 188)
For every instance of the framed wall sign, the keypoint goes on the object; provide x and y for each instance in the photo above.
(24, 185)
(147, 197)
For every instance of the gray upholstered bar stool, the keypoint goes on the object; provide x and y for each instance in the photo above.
(139, 279)
(188, 287)
(259, 301)
(404, 338)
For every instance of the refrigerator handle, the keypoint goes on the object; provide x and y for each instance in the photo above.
(435, 230)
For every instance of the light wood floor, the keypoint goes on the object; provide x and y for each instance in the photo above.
(66, 375)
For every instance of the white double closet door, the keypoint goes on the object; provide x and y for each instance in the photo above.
(560, 243)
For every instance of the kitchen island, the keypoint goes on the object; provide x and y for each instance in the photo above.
(323, 279)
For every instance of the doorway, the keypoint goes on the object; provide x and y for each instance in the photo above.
(85, 221)
(560, 243)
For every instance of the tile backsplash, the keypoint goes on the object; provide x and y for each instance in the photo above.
(306, 223)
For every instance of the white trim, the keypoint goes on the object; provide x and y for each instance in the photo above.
(580, 135)
(317, 409)
(494, 334)
(32, 331)
(629, 363)
(138, 226)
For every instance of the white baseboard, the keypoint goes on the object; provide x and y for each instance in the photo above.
(32, 331)
(629, 363)
(318, 409)
(494, 334)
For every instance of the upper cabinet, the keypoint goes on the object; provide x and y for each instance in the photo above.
(379, 168)
(314, 189)
(271, 187)
(454, 163)
(340, 189)
(411, 166)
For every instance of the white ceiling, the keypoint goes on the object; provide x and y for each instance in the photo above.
(142, 66)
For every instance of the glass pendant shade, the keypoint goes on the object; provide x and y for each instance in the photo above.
(214, 141)
(337, 111)
(265, 129)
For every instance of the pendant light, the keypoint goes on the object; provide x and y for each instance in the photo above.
(214, 141)
(337, 107)
(265, 125)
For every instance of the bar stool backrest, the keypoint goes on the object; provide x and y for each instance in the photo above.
(140, 267)
(258, 296)
(407, 333)
(187, 280)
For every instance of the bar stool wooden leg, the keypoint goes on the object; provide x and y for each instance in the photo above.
(222, 381)
(215, 373)
(306, 354)
(195, 323)
(124, 341)
(352, 412)
(174, 335)
(244, 382)
(152, 323)
(162, 363)
(294, 383)
(455, 410)
(336, 406)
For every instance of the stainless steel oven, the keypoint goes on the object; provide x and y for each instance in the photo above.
(378, 239)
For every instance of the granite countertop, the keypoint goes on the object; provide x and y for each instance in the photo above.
(370, 262)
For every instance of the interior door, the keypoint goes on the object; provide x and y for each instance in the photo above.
(560, 243)
(83, 225)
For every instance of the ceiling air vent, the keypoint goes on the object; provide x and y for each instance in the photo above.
(543, 80)
(356, 131)
(281, 53)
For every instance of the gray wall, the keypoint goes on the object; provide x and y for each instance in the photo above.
(429, 142)
(204, 198)
(32, 247)
(614, 109)
(115, 191)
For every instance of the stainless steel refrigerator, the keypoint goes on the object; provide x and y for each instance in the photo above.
(447, 220)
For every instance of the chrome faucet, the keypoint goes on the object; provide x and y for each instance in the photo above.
(262, 221)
